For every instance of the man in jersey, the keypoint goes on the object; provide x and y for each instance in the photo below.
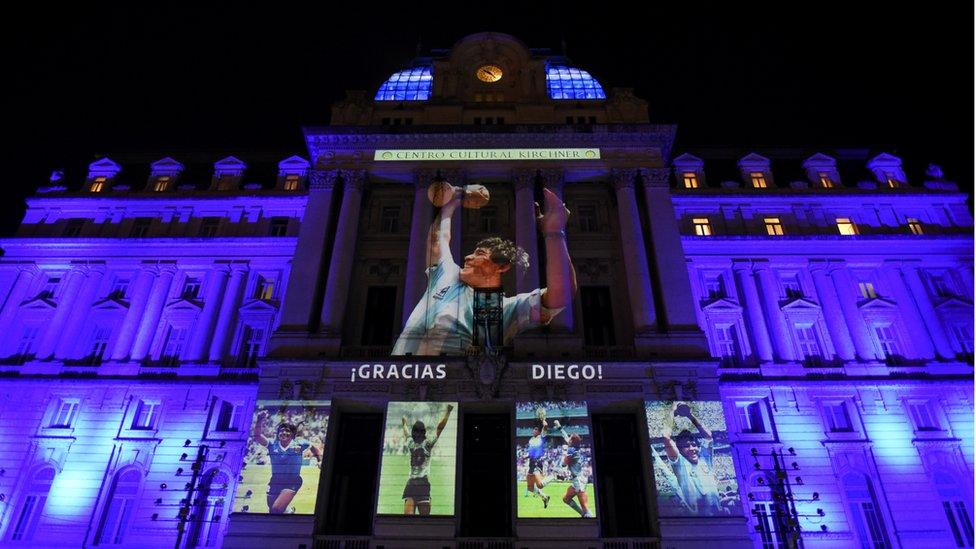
(691, 462)
(286, 454)
(573, 460)
(416, 494)
(442, 322)
(536, 450)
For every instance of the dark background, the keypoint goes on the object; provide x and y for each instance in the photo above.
(234, 79)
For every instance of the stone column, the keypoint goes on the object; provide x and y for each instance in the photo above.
(73, 282)
(343, 255)
(920, 296)
(141, 287)
(848, 298)
(154, 309)
(67, 344)
(526, 232)
(203, 329)
(966, 273)
(920, 344)
(554, 181)
(779, 331)
(830, 306)
(18, 293)
(306, 268)
(417, 260)
(229, 306)
(634, 252)
(669, 255)
(749, 297)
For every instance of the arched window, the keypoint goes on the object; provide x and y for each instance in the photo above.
(118, 511)
(865, 512)
(208, 510)
(29, 513)
(768, 512)
(954, 506)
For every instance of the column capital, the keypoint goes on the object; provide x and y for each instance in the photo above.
(353, 179)
(818, 265)
(524, 178)
(323, 180)
(761, 266)
(553, 179)
(742, 265)
(623, 178)
(654, 177)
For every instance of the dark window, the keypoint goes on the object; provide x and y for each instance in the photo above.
(586, 214)
(487, 462)
(592, 120)
(390, 219)
(619, 474)
(500, 120)
(278, 226)
(208, 226)
(385, 121)
(489, 219)
(597, 315)
(396, 121)
(73, 228)
(191, 288)
(140, 227)
(477, 120)
(569, 119)
(378, 320)
(354, 472)
(581, 120)
(226, 416)
(408, 122)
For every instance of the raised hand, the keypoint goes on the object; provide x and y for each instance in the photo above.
(554, 218)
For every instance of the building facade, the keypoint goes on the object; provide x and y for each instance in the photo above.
(601, 343)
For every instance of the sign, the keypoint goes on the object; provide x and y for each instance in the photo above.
(401, 155)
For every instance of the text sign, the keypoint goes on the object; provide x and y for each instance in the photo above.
(400, 155)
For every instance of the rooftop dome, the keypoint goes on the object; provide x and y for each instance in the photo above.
(565, 82)
(413, 84)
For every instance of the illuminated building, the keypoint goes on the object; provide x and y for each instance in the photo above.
(821, 304)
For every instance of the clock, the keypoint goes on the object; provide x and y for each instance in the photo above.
(489, 73)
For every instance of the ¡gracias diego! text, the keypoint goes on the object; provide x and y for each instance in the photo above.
(399, 371)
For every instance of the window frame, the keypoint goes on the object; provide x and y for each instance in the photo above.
(825, 406)
(702, 226)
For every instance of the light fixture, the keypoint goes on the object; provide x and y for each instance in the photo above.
(162, 486)
(187, 442)
(179, 471)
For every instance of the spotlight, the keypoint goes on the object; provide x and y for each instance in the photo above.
(222, 443)
(795, 465)
(760, 480)
(155, 516)
(2, 471)
(799, 481)
(756, 465)
(179, 471)
(3, 497)
(823, 527)
(187, 442)
(816, 496)
(187, 486)
(162, 486)
(159, 501)
(183, 457)
(791, 451)
(246, 508)
(248, 494)
(820, 512)
(753, 451)
(752, 497)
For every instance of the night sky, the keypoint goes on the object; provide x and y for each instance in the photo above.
(233, 80)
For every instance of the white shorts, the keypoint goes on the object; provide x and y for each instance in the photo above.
(579, 483)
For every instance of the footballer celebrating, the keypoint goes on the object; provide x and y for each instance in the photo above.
(573, 460)
(416, 494)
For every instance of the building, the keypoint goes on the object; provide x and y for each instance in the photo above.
(740, 350)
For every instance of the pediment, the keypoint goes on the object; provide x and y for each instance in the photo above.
(230, 163)
(800, 304)
(183, 304)
(753, 159)
(105, 165)
(167, 165)
(688, 160)
(293, 163)
(955, 304)
(722, 304)
(820, 160)
(257, 306)
(878, 303)
(39, 303)
(111, 304)
(884, 160)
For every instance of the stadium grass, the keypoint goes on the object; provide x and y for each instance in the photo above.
(531, 506)
(394, 473)
(256, 479)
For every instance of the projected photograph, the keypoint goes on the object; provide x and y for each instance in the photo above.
(463, 303)
(419, 459)
(554, 460)
(693, 466)
(282, 462)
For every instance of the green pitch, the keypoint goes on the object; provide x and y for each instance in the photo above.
(256, 479)
(531, 506)
(393, 478)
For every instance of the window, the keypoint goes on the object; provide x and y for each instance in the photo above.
(825, 181)
(867, 290)
(888, 341)
(597, 312)
(915, 226)
(809, 344)
(73, 227)
(208, 510)
(227, 416)
(291, 182)
(191, 288)
(379, 314)
(752, 416)
(959, 522)
(838, 417)
(773, 226)
(98, 184)
(161, 183)
(714, 286)
(98, 345)
(278, 226)
(588, 223)
(792, 288)
(64, 416)
(390, 219)
(892, 182)
(689, 180)
(119, 288)
(25, 346)
(846, 227)
(50, 288)
(173, 345)
(727, 344)
(758, 180)
(924, 416)
(962, 332)
(147, 413)
(865, 512)
(209, 226)
(140, 227)
(252, 346)
(702, 226)
(940, 285)
(770, 525)
(118, 511)
(226, 182)
(264, 288)
(32, 506)
(489, 219)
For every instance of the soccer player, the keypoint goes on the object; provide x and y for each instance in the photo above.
(534, 482)
(691, 462)
(285, 453)
(573, 460)
(416, 494)
(443, 320)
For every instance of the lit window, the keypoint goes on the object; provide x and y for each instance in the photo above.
(390, 219)
(413, 84)
(264, 289)
(564, 82)
(173, 346)
(291, 182)
(191, 288)
(209, 226)
(147, 413)
(808, 343)
(838, 417)
(773, 226)
(278, 226)
(915, 226)
(64, 417)
(892, 182)
(690, 180)
(846, 227)
(32, 505)
(702, 226)
(161, 183)
(758, 180)
(825, 181)
(98, 184)
(867, 290)
(888, 340)
(923, 416)
(252, 346)
(752, 417)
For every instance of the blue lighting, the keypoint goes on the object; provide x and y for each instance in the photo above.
(407, 85)
(565, 82)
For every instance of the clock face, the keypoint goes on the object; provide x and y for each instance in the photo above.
(489, 73)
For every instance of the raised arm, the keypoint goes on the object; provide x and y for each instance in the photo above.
(257, 433)
(406, 431)
(701, 428)
(667, 430)
(439, 237)
(560, 274)
(561, 429)
(443, 421)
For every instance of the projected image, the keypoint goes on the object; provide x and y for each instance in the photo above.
(419, 456)
(463, 305)
(283, 458)
(693, 465)
(554, 460)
